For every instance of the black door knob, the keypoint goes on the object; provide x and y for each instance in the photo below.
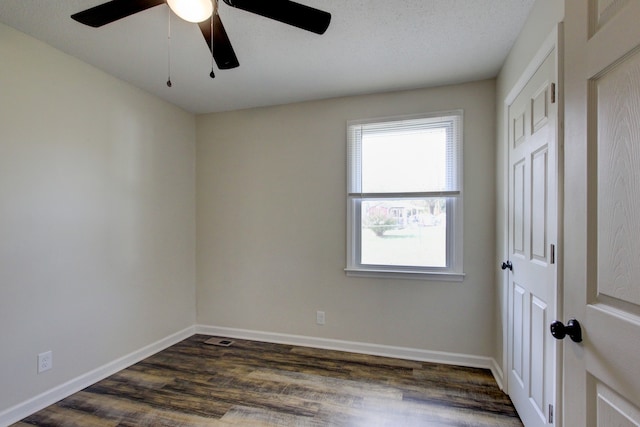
(572, 328)
(507, 264)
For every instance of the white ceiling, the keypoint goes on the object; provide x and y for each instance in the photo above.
(370, 46)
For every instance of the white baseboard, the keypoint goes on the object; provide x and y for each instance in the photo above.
(49, 397)
(359, 347)
(497, 373)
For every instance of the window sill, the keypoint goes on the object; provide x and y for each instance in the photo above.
(402, 274)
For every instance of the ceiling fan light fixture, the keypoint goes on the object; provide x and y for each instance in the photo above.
(192, 10)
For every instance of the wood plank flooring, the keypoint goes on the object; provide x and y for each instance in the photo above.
(261, 384)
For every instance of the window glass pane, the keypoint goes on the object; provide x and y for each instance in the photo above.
(404, 161)
(404, 232)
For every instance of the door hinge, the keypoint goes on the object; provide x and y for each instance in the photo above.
(553, 93)
(553, 253)
(550, 414)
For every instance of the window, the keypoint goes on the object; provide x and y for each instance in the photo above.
(404, 197)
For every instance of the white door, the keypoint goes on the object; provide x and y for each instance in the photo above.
(532, 283)
(602, 212)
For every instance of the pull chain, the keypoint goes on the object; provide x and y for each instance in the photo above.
(215, 11)
(169, 50)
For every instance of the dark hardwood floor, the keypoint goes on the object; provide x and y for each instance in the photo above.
(260, 384)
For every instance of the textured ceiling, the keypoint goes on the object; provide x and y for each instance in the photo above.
(370, 46)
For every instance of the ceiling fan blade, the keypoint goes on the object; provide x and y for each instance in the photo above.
(296, 14)
(221, 50)
(112, 11)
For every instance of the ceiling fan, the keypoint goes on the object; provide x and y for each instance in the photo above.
(286, 11)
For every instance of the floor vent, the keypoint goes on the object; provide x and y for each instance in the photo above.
(221, 342)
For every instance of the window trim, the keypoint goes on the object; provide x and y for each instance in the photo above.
(454, 269)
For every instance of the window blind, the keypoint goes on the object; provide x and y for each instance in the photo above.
(447, 123)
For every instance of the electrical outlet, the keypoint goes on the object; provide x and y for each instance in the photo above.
(45, 361)
(320, 317)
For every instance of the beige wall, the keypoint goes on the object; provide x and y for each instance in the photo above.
(271, 227)
(543, 18)
(97, 217)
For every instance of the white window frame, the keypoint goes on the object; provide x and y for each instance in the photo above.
(453, 271)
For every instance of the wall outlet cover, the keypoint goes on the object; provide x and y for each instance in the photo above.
(45, 361)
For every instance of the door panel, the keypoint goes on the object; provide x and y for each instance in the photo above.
(612, 353)
(518, 347)
(532, 228)
(518, 208)
(540, 108)
(618, 154)
(602, 231)
(613, 410)
(538, 336)
(539, 232)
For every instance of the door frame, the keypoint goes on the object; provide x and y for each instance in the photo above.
(554, 40)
